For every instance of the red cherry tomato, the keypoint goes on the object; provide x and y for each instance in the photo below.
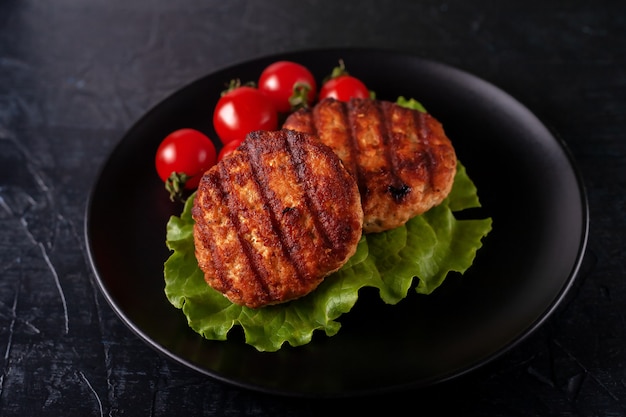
(228, 149)
(181, 159)
(288, 84)
(343, 88)
(242, 110)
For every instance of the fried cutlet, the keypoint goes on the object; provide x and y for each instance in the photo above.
(402, 159)
(274, 218)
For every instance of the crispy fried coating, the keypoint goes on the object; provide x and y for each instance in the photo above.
(274, 218)
(402, 159)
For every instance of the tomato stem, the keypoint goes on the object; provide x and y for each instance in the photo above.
(234, 84)
(300, 97)
(175, 184)
(337, 71)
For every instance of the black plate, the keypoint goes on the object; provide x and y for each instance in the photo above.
(527, 184)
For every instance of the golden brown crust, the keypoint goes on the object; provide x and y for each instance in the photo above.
(401, 158)
(275, 218)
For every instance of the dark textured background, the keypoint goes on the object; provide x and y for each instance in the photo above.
(75, 75)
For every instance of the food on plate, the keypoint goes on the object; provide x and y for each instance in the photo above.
(289, 85)
(181, 159)
(281, 272)
(275, 218)
(402, 159)
(342, 86)
(242, 109)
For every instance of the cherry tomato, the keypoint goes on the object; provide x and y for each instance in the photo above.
(242, 110)
(343, 88)
(228, 149)
(289, 85)
(181, 159)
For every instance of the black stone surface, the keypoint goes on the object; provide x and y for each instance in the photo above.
(75, 75)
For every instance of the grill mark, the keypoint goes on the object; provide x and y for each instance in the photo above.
(286, 241)
(302, 172)
(319, 127)
(398, 188)
(349, 114)
(231, 202)
(310, 118)
(424, 132)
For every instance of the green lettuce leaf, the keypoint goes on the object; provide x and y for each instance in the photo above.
(425, 250)
(411, 103)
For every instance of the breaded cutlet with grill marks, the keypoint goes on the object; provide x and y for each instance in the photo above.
(402, 159)
(274, 218)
